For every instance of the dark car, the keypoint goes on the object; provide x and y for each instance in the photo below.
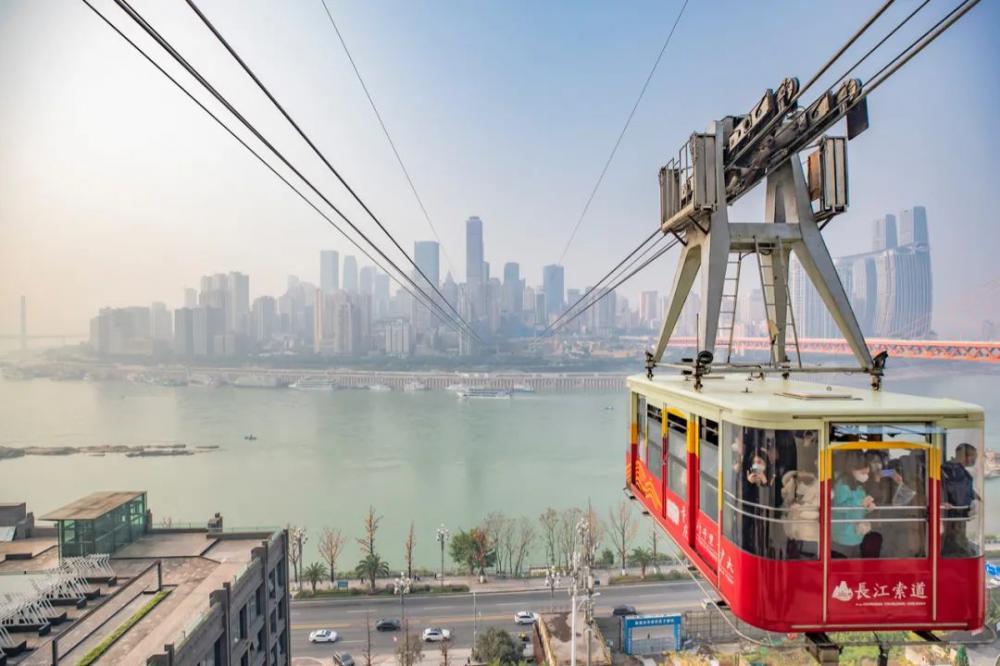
(623, 610)
(343, 659)
(387, 625)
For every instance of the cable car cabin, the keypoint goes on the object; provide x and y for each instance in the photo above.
(813, 508)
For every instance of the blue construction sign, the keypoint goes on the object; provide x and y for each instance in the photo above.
(649, 644)
(992, 569)
(341, 584)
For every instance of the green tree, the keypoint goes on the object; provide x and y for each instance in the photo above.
(371, 567)
(643, 558)
(496, 646)
(607, 558)
(461, 548)
(472, 549)
(314, 573)
(962, 656)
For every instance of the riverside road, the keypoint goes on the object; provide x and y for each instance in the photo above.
(347, 615)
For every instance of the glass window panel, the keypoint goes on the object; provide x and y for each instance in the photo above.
(640, 419)
(654, 440)
(879, 503)
(708, 463)
(771, 491)
(677, 454)
(962, 462)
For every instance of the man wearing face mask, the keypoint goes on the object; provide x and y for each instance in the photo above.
(959, 493)
(852, 503)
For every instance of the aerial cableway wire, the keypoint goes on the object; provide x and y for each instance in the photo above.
(621, 135)
(260, 84)
(881, 42)
(385, 130)
(165, 44)
(620, 282)
(253, 152)
(606, 277)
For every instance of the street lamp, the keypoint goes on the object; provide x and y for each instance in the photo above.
(442, 538)
(401, 586)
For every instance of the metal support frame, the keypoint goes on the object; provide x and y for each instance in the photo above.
(790, 227)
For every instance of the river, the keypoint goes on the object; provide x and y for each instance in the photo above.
(320, 458)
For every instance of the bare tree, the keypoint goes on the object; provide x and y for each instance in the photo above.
(506, 544)
(623, 527)
(567, 535)
(549, 521)
(492, 526)
(525, 540)
(296, 542)
(367, 542)
(409, 649)
(654, 540)
(445, 653)
(331, 543)
(367, 651)
(411, 542)
(592, 534)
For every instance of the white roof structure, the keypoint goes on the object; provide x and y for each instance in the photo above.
(776, 398)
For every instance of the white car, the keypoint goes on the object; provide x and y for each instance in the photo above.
(436, 635)
(323, 636)
(525, 617)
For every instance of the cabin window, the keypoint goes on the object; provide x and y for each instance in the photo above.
(708, 467)
(914, 433)
(640, 425)
(771, 491)
(677, 454)
(654, 441)
(962, 462)
(879, 503)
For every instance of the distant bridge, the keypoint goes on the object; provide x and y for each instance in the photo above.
(941, 350)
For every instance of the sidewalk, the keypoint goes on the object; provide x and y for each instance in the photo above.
(492, 583)
(432, 657)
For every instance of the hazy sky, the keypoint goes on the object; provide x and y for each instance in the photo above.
(115, 189)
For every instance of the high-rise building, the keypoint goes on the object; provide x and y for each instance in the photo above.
(350, 274)
(426, 255)
(190, 297)
(541, 309)
(649, 307)
(398, 339)
(554, 288)
(513, 289)
(367, 280)
(263, 318)
(209, 324)
(474, 251)
(812, 319)
(884, 236)
(329, 271)
(160, 323)
(450, 291)
(380, 299)
(913, 227)
(238, 312)
(184, 332)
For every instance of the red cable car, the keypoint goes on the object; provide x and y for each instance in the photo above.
(814, 509)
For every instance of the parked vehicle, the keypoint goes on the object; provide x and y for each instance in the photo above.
(386, 624)
(623, 610)
(343, 659)
(436, 635)
(323, 636)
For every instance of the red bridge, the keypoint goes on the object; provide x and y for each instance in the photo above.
(950, 350)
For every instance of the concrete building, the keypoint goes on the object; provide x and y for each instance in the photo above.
(161, 323)
(350, 274)
(649, 307)
(398, 339)
(184, 332)
(264, 313)
(190, 297)
(427, 257)
(513, 290)
(238, 303)
(474, 251)
(329, 271)
(553, 284)
(366, 280)
(208, 325)
(207, 596)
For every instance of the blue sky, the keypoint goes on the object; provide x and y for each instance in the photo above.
(116, 190)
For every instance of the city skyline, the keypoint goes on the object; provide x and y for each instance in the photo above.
(463, 158)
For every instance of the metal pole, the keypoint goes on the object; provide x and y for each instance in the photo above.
(475, 622)
(572, 631)
(442, 562)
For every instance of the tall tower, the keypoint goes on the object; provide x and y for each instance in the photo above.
(474, 251)
(350, 274)
(329, 271)
(427, 256)
(554, 287)
(24, 323)
(885, 233)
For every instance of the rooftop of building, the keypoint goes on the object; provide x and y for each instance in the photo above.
(194, 563)
(93, 506)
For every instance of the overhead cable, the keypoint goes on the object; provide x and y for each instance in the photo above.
(260, 84)
(621, 135)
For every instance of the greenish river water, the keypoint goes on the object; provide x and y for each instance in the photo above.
(321, 458)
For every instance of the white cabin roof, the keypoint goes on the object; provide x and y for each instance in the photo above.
(775, 397)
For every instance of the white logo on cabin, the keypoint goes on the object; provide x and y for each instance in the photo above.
(842, 592)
